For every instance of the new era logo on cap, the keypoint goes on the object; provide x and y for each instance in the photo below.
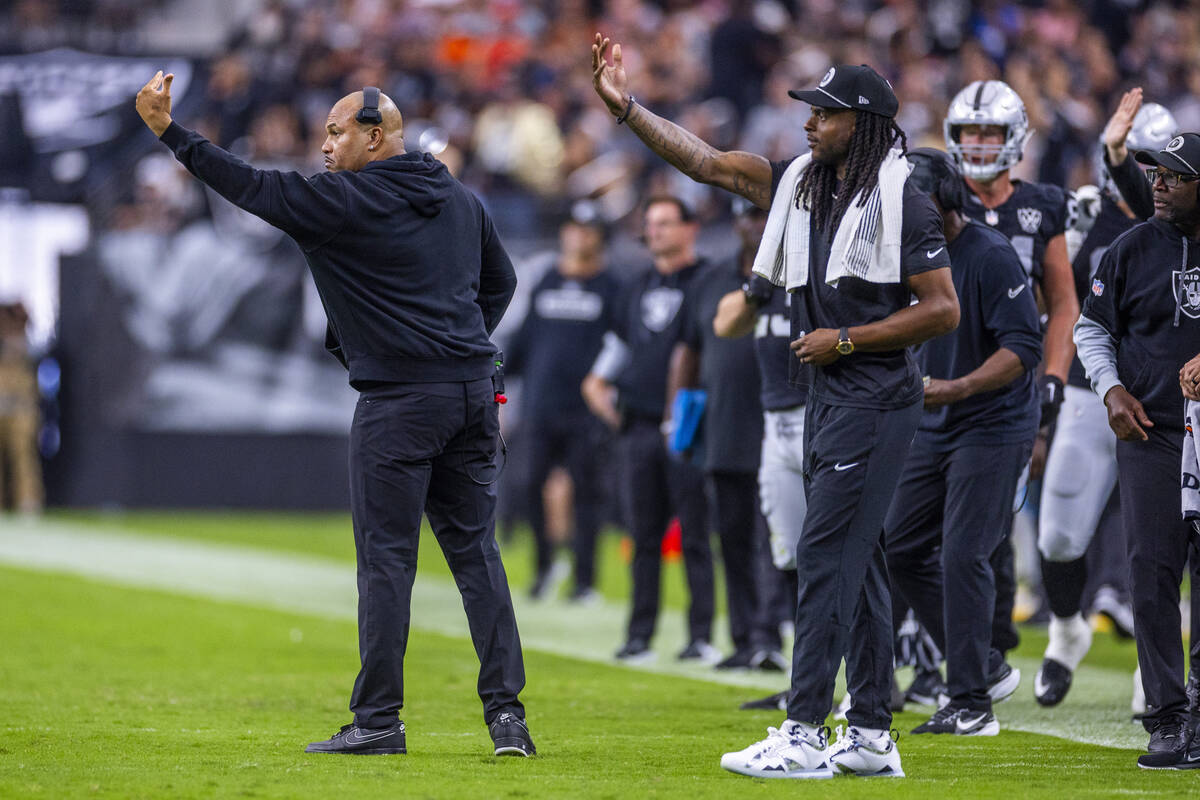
(857, 87)
(1182, 155)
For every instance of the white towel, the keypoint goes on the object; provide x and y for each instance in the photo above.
(1190, 468)
(866, 244)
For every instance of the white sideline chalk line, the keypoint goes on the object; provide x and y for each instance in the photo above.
(325, 588)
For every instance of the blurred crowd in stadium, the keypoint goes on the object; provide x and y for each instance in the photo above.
(505, 86)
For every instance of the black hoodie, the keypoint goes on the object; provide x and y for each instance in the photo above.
(408, 265)
(1146, 295)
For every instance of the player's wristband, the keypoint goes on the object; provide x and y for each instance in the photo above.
(628, 108)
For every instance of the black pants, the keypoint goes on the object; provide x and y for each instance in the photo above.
(428, 447)
(573, 442)
(951, 512)
(657, 488)
(742, 533)
(854, 458)
(1158, 541)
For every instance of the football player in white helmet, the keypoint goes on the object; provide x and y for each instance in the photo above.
(1081, 471)
(986, 130)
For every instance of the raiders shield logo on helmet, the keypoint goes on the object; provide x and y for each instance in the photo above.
(1030, 219)
(1187, 291)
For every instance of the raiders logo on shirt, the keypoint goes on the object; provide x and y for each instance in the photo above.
(1030, 219)
(1187, 290)
(659, 307)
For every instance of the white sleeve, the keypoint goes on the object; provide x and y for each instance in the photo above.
(1097, 352)
(613, 357)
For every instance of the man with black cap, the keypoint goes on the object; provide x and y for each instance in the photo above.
(953, 506)
(569, 313)
(855, 243)
(1140, 325)
(414, 279)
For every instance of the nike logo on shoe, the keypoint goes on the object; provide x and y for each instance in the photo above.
(356, 736)
(840, 467)
(971, 722)
(1014, 292)
(932, 253)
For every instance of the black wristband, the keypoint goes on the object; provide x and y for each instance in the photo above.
(629, 107)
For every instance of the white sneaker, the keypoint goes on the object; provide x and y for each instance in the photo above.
(856, 754)
(790, 751)
(1138, 704)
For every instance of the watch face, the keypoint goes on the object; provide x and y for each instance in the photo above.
(845, 348)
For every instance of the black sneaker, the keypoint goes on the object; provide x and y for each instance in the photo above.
(960, 722)
(1167, 736)
(635, 651)
(1003, 682)
(772, 702)
(511, 736)
(741, 659)
(1051, 683)
(699, 650)
(769, 661)
(926, 687)
(353, 740)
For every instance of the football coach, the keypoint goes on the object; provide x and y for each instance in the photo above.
(414, 280)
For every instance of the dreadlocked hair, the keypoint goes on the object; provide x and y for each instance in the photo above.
(873, 137)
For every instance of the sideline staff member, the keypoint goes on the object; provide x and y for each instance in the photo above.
(1138, 328)
(414, 279)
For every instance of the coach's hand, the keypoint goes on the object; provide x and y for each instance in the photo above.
(818, 347)
(1120, 124)
(153, 103)
(940, 393)
(1126, 416)
(1189, 379)
(609, 80)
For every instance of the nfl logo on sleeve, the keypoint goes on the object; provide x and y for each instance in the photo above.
(1097, 287)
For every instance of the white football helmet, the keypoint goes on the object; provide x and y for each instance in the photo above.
(986, 103)
(1153, 127)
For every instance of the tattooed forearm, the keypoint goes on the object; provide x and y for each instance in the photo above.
(741, 173)
(680, 148)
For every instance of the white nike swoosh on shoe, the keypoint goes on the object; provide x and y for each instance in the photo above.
(840, 467)
(1014, 292)
(970, 726)
(356, 737)
(932, 253)
(1040, 687)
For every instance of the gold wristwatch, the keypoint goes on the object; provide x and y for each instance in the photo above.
(844, 346)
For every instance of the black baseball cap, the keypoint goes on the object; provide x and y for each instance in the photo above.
(846, 86)
(1182, 155)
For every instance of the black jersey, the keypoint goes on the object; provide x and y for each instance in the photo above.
(772, 349)
(733, 426)
(1033, 215)
(1110, 223)
(559, 339)
(884, 380)
(997, 310)
(648, 317)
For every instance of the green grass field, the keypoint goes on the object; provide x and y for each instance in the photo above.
(169, 655)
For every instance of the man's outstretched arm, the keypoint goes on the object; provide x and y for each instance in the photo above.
(746, 174)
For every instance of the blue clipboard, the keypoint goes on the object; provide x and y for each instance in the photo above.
(687, 412)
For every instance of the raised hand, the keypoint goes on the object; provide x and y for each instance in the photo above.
(1119, 125)
(153, 102)
(609, 79)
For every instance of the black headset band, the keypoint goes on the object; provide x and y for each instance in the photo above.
(369, 113)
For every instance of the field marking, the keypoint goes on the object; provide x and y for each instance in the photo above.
(325, 588)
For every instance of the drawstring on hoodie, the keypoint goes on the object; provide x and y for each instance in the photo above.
(1182, 269)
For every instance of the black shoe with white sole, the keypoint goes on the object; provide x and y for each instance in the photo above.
(1051, 684)
(960, 721)
(926, 688)
(1003, 682)
(511, 736)
(772, 702)
(353, 740)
